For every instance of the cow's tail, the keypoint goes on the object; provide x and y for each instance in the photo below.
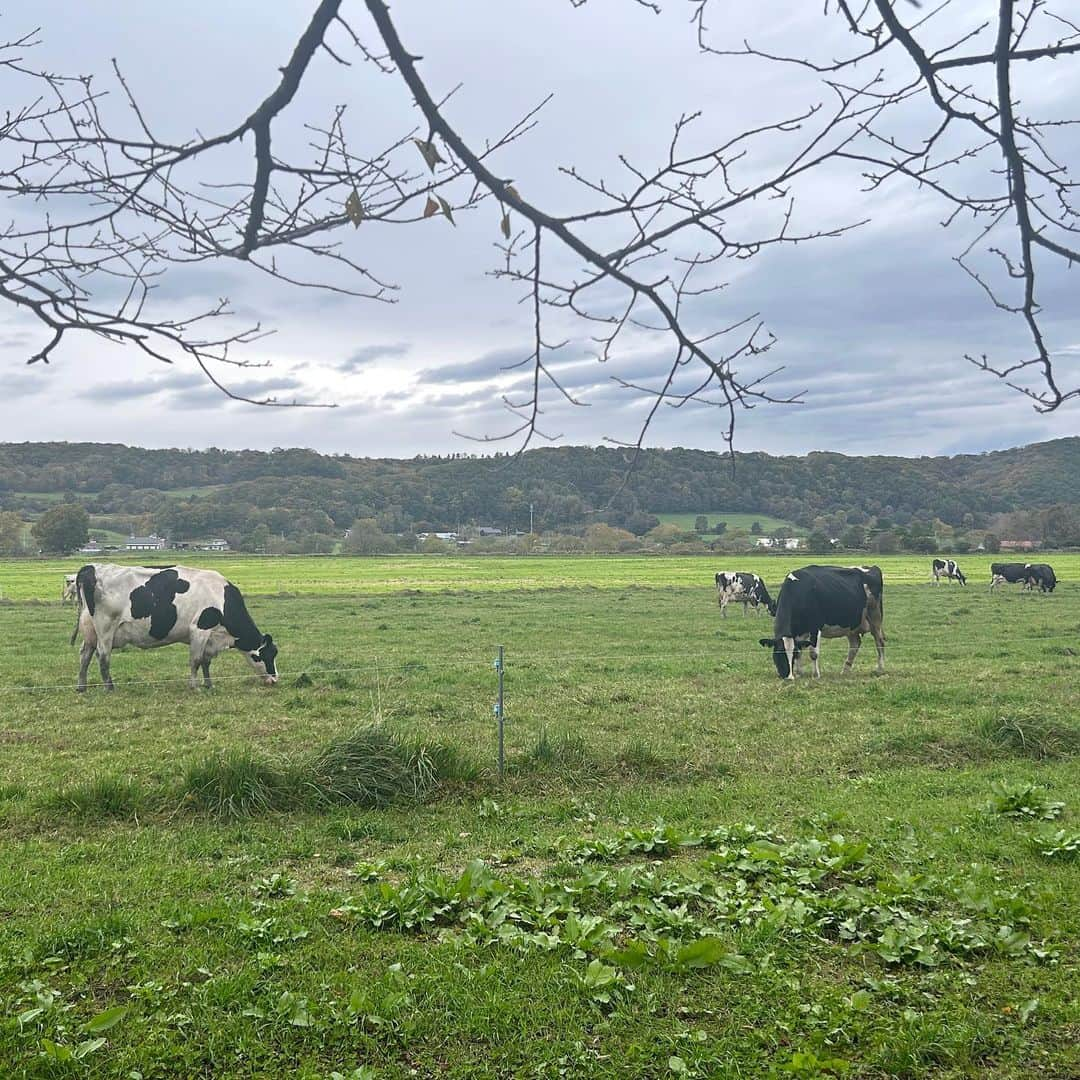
(85, 585)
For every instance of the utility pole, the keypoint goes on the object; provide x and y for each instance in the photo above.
(530, 519)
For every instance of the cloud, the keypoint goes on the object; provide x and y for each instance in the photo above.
(371, 354)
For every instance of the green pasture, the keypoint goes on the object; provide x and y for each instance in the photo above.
(689, 869)
(314, 575)
(772, 526)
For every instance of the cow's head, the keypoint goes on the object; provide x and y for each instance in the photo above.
(264, 660)
(779, 654)
(960, 576)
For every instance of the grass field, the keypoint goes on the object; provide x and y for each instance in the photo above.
(857, 876)
(772, 526)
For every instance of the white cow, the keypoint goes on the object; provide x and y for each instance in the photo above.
(144, 607)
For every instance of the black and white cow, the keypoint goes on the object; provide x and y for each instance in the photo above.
(946, 568)
(1009, 572)
(144, 607)
(824, 602)
(1041, 575)
(743, 588)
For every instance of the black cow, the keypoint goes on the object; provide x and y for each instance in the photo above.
(743, 588)
(1012, 573)
(826, 601)
(946, 568)
(1042, 575)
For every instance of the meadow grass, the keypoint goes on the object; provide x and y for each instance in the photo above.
(179, 896)
(773, 526)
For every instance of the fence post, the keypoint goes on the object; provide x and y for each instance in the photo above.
(499, 712)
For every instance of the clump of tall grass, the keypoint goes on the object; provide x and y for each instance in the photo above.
(101, 796)
(1033, 736)
(568, 750)
(237, 784)
(371, 767)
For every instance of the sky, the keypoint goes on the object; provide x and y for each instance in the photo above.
(871, 327)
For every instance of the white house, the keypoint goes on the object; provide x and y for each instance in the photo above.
(146, 543)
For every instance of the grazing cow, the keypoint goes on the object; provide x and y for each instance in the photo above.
(1041, 574)
(144, 607)
(946, 568)
(826, 601)
(744, 588)
(1010, 572)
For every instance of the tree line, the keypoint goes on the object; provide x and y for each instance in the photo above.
(301, 500)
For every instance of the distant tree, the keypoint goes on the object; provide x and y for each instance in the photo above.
(818, 542)
(62, 529)
(701, 523)
(854, 537)
(755, 529)
(886, 543)
(11, 533)
(666, 534)
(366, 538)
(720, 528)
(603, 538)
(924, 545)
(992, 543)
(961, 546)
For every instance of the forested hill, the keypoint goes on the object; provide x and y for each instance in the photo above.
(200, 492)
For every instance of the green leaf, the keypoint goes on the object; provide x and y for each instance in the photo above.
(677, 1065)
(107, 1019)
(504, 225)
(56, 1051)
(447, 213)
(704, 952)
(87, 1046)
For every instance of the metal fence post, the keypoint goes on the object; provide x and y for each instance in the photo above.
(499, 713)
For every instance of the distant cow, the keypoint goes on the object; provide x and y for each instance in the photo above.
(1017, 572)
(946, 568)
(69, 592)
(144, 607)
(826, 601)
(743, 588)
(1041, 575)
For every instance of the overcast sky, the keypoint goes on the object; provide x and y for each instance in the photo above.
(873, 325)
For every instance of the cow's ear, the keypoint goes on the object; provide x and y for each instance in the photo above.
(267, 639)
(768, 642)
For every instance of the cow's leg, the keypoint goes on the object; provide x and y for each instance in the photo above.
(854, 641)
(723, 605)
(104, 659)
(815, 646)
(206, 673)
(792, 660)
(85, 655)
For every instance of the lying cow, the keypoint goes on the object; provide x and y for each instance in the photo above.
(743, 588)
(1041, 575)
(826, 601)
(145, 607)
(948, 569)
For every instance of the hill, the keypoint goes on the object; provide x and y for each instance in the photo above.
(292, 492)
